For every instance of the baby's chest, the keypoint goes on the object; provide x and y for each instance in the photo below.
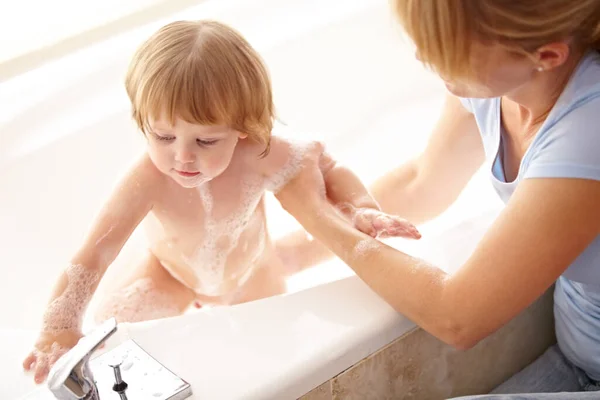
(216, 205)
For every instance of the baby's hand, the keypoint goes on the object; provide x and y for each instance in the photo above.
(48, 349)
(376, 223)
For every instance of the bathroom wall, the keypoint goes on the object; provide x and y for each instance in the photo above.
(419, 366)
(74, 25)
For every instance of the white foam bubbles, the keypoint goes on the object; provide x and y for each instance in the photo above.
(66, 311)
(366, 247)
(293, 165)
(140, 301)
(222, 235)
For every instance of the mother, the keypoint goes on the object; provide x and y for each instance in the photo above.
(524, 83)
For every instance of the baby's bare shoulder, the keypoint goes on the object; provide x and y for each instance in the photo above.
(145, 170)
(143, 177)
(290, 153)
(286, 158)
(135, 192)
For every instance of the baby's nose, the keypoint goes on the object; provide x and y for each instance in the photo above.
(185, 156)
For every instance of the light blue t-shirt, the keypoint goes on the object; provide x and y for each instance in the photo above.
(567, 145)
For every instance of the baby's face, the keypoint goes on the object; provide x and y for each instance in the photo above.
(191, 154)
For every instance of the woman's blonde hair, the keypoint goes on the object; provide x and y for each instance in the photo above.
(442, 30)
(203, 72)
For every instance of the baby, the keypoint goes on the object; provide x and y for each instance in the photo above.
(202, 97)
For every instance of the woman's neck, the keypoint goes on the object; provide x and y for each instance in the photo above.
(531, 103)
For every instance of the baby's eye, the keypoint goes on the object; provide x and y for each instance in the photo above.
(163, 138)
(202, 142)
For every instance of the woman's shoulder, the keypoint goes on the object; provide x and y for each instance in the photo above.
(581, 97)
(568, 144)
(586, 77)
(576, 115)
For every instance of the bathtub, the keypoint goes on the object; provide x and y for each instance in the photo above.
(341, 72)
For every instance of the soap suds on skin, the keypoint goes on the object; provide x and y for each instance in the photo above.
(49, 357)
(140, 301)
(210, 259)
(292, 167)
(66, 311)
(222, 234)
(365, 247)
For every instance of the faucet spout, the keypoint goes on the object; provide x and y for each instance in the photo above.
(71, 377)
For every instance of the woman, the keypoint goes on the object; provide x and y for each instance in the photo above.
(524, 83)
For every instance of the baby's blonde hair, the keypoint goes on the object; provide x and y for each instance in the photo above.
(442, 30)
(203, 72)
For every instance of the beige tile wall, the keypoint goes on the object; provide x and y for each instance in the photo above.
(418, 366)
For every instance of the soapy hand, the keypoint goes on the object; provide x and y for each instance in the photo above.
(48, 349)
(376, 223)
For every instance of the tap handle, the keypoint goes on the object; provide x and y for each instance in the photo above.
(120, 385)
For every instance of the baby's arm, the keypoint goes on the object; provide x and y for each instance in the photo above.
(127, 206)
(345, 190)
(343, 187)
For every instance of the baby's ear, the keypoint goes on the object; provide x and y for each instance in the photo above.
(242, 135)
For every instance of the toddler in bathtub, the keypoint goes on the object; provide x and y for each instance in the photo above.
(202, 97)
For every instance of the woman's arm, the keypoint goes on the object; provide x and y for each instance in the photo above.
(545, 226)
(423, 188)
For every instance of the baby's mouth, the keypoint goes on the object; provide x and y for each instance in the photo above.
(187, 174)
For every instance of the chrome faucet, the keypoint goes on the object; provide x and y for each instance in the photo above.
(71, 377)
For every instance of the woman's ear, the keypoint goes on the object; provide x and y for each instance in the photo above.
(552, 55)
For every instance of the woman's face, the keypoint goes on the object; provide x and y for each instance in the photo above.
(495, 71)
